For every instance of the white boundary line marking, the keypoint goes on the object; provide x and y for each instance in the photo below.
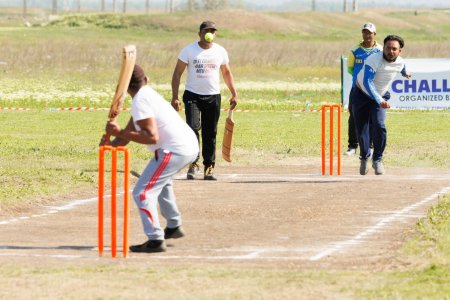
(250, 256)
(52, 210)
(394, 217)
(237, 178)
(319, 178)
(44, 255)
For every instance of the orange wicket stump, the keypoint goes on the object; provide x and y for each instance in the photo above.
(331, 108)
(101, 187)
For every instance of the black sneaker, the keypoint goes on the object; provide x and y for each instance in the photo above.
(149, 247)
(209, 173)
(364, 166)
(173, 233)
(192, 171)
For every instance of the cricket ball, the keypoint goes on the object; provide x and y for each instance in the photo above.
(209, 37)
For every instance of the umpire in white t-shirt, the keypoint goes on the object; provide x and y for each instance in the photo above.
(205, 60)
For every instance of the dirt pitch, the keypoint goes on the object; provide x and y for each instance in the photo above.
(252, 216)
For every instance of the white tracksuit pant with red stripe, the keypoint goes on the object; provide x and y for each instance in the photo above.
(156, 186)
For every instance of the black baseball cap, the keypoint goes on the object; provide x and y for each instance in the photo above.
(208, 25)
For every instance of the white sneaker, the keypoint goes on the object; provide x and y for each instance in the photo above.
(350, 151)
(379, 168)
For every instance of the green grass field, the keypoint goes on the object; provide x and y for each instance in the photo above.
(62, 145)
(74, 62)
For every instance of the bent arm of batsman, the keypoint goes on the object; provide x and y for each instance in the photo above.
(147, 135)
(112, 129)
(229, 81)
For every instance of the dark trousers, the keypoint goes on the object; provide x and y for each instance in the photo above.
(352, 135)
(202, 113)
(369, 118)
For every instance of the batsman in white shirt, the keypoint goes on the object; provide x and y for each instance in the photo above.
(156, 124)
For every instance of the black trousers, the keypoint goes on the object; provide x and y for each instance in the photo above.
(202, 114)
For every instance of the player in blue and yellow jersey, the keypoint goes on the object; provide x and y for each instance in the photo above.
(354, 64)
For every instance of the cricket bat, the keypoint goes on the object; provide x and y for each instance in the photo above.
(126, 70)
(228, 137)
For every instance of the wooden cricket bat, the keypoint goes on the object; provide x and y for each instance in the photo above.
(126, 70)
(228, 137)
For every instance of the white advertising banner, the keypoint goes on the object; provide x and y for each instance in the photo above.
(428, 88)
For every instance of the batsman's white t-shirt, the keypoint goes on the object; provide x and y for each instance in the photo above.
(174, 134)
(203, 66)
